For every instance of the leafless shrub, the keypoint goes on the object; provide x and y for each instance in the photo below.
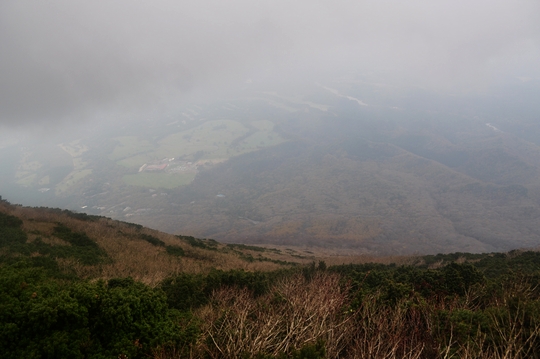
(399, 331)
(512, 332)
(296, 312)
(513, 340)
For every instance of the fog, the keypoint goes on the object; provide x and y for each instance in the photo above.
(381, 126)
(76, 61)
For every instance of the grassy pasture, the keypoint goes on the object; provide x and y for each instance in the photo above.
(129, 146)
(263, 125)
(27, 180)
(78, 163)
(26, 173)
(261, 139)
(72, 179)
(74, 149)
(161, 180)
(30, 166)
(215, 139)
(44, 181)
(137, 160)
(211, 137)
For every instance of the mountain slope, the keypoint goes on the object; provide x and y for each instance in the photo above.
(410, 172)
(394, 202)
(71, 244)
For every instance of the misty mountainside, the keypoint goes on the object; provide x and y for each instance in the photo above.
(347, 165)
(71, 245)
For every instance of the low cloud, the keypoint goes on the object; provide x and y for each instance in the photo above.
(72, 59)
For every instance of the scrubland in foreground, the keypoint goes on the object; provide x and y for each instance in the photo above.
(351, 311)
(88, 287)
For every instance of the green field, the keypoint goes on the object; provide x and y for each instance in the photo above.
(72, 179)
(27, 180)
(129, 146)
(261, 139)
(159, 180)
(214, 140)
(212, 137)
(137, 160)
(263, 125)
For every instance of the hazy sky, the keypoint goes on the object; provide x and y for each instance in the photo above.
(75, 59)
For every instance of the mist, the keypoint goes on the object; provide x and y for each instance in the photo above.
(65, 62)
(373, 126)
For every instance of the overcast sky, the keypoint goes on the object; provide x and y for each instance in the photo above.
(75, 59)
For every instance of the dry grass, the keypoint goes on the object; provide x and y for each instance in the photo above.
(129, 255)
(366, 258)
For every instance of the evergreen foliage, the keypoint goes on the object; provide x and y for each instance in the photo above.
(175, 251)
(15, 247)
(209, 244)
(152, 240)
(42, 318)
(10, 231)
(191, 291)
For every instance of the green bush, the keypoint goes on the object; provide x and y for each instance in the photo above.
(189, 291)
(398, 283)
(11, 233)
(152, 240)
(209, 244)
(175, 251)
(41, 318)
(82, 247)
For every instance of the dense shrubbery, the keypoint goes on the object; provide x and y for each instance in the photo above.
(191, 291)
(82, 248)
(152, 240)
(42, 318)
(10, 231)
(407, 311)
(371, 311)
(396, 283)
(208, 244)
(344, 311)
(175, 251)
